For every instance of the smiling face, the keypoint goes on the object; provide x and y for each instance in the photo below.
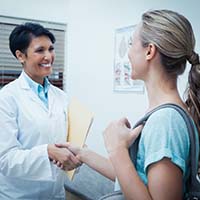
(137, 56)
(38, 59)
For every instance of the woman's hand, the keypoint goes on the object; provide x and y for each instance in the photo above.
(73, 148)
(63, 157)
(119, 134)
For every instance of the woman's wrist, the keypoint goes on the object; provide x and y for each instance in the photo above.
(116, 149)
(83, 154)
(118, 153)
(50, 148)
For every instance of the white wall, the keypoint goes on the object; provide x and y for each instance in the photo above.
(90, 58)
(50, 10)
(90, 49)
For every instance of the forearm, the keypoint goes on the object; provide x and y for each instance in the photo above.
(97, 162)
(31, 164)
(131, 184)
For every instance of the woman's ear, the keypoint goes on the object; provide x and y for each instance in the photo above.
(20, 56)
(150, 51)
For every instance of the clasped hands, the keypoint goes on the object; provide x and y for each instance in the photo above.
(118, 135)
(65, 155)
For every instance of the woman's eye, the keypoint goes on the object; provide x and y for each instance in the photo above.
(39, 50)
(51, 49)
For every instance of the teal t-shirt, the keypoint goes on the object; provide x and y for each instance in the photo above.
(165, 134)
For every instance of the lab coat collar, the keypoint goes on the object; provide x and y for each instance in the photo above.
(23, 83)
(25, 86)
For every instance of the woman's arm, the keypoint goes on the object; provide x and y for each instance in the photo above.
(15, 160)
(164, 178)
(92, 159)
(97, 162)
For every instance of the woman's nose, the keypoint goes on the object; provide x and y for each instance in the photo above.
(47, 56)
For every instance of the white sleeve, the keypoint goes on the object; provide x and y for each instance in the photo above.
(29, 164)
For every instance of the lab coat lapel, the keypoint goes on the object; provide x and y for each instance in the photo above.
(26, 88)
(51, 100)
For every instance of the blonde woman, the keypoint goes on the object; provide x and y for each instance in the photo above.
(162, 44)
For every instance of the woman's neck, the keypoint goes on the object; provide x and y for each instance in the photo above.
(162, 91)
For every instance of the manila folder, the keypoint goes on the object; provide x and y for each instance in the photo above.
(79, 123)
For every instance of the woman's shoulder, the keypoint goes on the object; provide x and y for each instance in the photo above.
(9, 89)
(166, 121)
(8, 96)
(165, 134)
(57, 90)
(58, 93)
(165, 115)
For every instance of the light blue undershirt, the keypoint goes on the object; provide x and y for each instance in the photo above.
(40, 90)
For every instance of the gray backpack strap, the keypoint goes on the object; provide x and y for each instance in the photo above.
(193, 184)
(134, 147)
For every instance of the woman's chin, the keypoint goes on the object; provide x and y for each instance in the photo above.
(48, 72)
(133, 77)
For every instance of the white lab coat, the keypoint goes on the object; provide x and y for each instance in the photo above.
(26, 127)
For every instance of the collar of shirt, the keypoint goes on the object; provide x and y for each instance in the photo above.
(40, 90)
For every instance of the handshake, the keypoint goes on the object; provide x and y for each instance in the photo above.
(118, 137)
(66, 156)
